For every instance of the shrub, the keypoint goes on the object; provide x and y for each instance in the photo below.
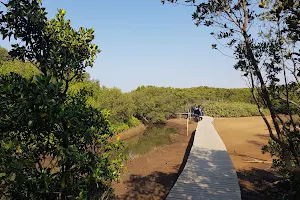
(24, 69)
(133, 121)
(52, 144)
(40, 123)
(226, 109)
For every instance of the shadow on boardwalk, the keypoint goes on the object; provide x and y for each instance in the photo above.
(208, 175)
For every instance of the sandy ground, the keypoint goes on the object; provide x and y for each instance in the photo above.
(244, 138)
(151, 176)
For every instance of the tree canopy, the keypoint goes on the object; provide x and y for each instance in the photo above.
(4, 56)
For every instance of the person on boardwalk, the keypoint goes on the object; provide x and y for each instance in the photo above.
(201, 110)
(197, 111)
(192, 109)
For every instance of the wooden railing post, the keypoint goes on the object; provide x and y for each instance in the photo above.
(187, 126)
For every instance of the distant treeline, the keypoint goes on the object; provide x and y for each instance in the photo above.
(149, 103)
(159, 103)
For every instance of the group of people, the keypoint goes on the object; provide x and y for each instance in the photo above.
(198, 110)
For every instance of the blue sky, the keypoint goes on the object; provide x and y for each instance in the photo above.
(146, 43)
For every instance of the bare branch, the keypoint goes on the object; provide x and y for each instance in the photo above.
(225, 54)
(290, 101)
(232, 19)
(182, 4)
(261, 113)
(246, 19)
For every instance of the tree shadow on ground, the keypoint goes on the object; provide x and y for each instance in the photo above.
(257, 184)
(155, 185)
(256, 143)
(245, 156)
(263, 136)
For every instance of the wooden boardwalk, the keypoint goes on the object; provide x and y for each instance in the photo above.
(209, 173)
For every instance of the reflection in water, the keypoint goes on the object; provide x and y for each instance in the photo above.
(153, 136)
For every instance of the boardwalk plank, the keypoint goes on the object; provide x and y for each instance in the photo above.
(209, 173)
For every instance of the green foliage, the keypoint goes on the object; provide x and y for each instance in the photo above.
(158, 104)
(119, 105)
(289, 11)
(38, 121)
(235, 109)
(153, 103)
(4, 56)
(274, 149)
(118, 127)
(53, 46)
(24, 69)
(52, 144)
(133, 121)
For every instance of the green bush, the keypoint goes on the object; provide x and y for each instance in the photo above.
(4, 56)
(38, 121)
(25, 69)
(52, 144)
(119, 127)
(159, 103)
(133, 121)
(235, 109)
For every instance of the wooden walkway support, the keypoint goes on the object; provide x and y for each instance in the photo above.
(209, 173)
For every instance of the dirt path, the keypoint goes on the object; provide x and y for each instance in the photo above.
(151, 176)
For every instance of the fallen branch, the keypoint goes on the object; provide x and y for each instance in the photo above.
(259, 161)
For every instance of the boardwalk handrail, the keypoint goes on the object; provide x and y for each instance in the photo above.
(209, 173)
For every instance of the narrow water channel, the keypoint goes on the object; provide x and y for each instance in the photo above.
(153, 136)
